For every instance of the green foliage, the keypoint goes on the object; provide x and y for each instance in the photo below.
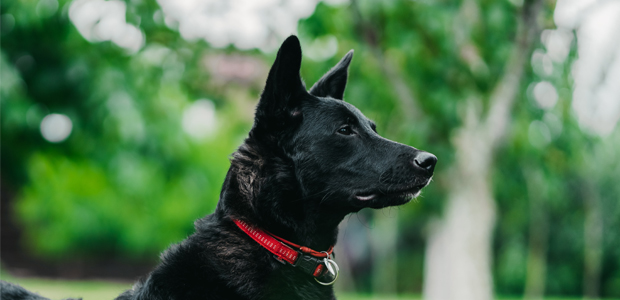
(127, 180)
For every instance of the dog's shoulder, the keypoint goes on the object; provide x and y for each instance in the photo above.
(212, 263)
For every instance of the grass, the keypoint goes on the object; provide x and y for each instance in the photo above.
(60, 289)
(107, 290)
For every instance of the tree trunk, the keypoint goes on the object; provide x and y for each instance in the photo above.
(458, 252)
(538, 236)
(593, 242)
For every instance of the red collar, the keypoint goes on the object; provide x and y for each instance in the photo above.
(308, 260)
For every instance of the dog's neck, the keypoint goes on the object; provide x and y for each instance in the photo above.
(267, 194)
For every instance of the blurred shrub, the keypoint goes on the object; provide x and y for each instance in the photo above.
(132, 205)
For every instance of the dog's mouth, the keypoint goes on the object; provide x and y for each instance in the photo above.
(407, 192)
(365, 197)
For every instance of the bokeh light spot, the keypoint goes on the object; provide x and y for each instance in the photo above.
(99, 20)
(246, 24)
(56, 128)
(46, 8)
(545, 94)
(199, 119)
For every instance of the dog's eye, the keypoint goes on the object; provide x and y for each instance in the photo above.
(345, 130)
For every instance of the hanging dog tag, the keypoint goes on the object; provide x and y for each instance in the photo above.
(329, 266)
(332, 272)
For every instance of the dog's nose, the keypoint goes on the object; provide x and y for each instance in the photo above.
(425, 161)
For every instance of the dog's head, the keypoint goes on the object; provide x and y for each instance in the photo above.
(336, 154)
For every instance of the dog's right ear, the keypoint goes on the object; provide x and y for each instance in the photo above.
(333, 83)
(284, 89)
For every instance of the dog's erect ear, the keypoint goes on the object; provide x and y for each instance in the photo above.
(284, 89)
(333, 83)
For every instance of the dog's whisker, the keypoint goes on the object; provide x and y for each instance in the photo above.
(326, 197)
(307, 197)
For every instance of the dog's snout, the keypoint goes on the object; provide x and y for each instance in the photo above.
(425, 161)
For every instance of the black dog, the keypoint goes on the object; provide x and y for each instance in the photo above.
(309, 160)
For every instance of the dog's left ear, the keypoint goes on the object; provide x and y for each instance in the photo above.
(333, 83)
(284, 89)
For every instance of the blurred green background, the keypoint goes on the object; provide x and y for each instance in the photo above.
(118, 118)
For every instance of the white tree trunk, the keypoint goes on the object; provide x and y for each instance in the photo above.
(593, 243)
(536, 271)
(458, 252)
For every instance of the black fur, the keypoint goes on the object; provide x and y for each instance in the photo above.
(309, 160)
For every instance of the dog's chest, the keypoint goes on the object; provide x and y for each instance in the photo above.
(221, 266)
